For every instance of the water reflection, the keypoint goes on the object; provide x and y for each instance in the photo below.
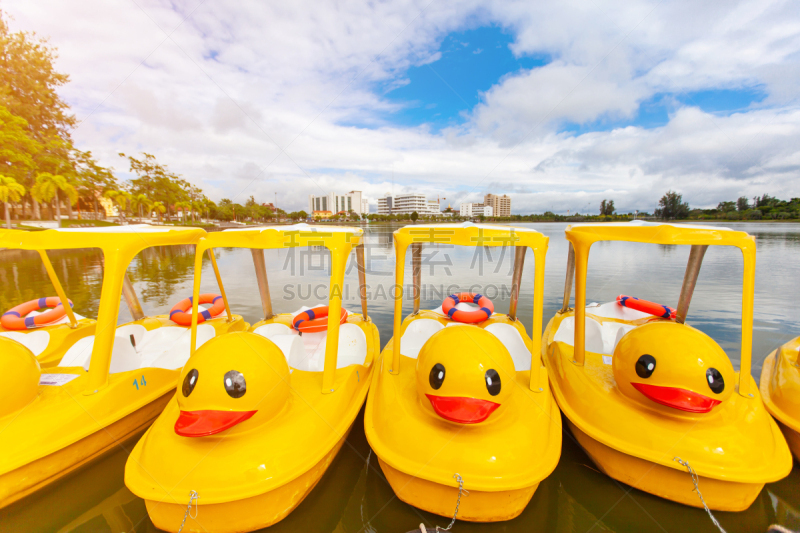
(353, 496)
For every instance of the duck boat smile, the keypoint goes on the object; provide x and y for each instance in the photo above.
(780, 388)
(110, 383)
(648, 396)
(461, 401)
(260, 414)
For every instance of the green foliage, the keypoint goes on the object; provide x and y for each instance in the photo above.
(742, 204)
(672, 206)
(607, 207)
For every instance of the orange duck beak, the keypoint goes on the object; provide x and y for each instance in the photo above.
(681, 399)
(204, 423)
(462, 410)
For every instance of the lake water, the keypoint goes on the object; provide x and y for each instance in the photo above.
(353, 496)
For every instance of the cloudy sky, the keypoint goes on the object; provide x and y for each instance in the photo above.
(557, 104)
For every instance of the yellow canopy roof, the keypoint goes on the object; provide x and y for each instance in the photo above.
(659, 233)
(469, 234)
(334, 237)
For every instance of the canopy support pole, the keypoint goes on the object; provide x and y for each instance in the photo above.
(263, 284)
(570, 278)
(690, 280)
(362, 280)
(219, 284)
(51, 273)
(416, 263)
(516, 280)
(132, 301)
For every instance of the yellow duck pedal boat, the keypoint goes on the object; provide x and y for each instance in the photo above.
(646, 396)
(107, 386)
(261, 414)
(457, 403)
(780, 388)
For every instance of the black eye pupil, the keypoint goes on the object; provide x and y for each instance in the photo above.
(715, 381)
(189, 382)
(493, 382)
(235, 385)
(645, 366)
(436, 377)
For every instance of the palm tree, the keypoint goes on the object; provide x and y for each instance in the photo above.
(10, 190)
(121, 198)
(159, 208)
(140, 202)
(47, 187)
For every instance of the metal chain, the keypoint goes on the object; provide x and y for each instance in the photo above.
(192, 497)
(697, 490)
(458, 502)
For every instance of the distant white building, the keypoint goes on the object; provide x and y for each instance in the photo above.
(336, 203)
(405, 204)
(470, 209)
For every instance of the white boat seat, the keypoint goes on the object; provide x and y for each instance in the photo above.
(419, 331)
(165, 347)
(600, 338)
(35, 341)
(307, 351)
(512, 340)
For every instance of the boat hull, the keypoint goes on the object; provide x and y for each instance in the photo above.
(669, 483)
(792, 439)
(477, 506)
(21, 482)
(248, 514)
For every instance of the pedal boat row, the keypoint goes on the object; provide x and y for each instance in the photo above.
(464, 411)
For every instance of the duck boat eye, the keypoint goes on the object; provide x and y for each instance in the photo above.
(189, 382)
(235, 384)
(715, 381)
(645, 366)
(436, 377)
(493, 382)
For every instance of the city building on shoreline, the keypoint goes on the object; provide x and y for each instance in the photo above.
(471, 209)
(501, 205)
(336, 203)
(405, 204)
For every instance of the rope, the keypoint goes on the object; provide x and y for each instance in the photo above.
(458, 502)
(192, 497)
(697, 490)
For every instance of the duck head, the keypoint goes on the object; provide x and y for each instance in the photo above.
(673, 365)
(464, 374)
(19, 380)
(233, 378)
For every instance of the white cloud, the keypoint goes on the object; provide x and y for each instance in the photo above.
(252, 98)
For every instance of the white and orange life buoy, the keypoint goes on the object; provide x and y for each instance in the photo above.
(181, 314)
(651, 308)
(484, 311)
(16, 318)
(315, 320)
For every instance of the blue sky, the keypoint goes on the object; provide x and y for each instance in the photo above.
(443, 92)
(252, 97)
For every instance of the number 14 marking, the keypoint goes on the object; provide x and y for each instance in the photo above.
(137, 383)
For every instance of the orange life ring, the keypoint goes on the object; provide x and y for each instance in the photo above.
(16, 317)
(644, 306)
(179, 314)
(315, 320)
(468, 317)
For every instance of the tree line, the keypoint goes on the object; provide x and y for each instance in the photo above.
(43, 172)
